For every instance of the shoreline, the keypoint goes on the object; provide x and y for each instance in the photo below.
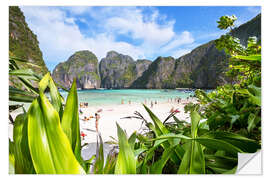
(114, 113)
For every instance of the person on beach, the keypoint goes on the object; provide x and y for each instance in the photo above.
(83, 135)
(80, 111)
(152, 104)
(129, 102)
(97, 118)
(155, 101)
(122, 101)
(85, 118)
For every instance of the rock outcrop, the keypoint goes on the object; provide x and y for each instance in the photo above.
(203, 67)
(157, 74)
(83, 65)
(248, 29)
(119, 71)
(23, 42)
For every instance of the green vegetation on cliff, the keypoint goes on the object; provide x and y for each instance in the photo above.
(82, 65)
(23, 42)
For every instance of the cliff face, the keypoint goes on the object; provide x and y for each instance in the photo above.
(201, 68)
(248, 29)
(141, 66)
(157, 74)
(119, 71)
(83, 65)
(23, 42)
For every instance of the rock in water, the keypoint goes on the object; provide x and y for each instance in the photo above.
(83, 65)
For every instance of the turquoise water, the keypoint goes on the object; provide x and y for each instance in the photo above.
(113, 96)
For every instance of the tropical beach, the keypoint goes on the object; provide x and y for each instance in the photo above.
(110, 114)
(120, 98)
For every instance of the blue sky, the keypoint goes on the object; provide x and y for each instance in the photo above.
(141, 32)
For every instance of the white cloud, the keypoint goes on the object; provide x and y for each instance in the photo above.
(184, 38)
(59, 36)
(133, 23)
(180, 52)
(150, 35)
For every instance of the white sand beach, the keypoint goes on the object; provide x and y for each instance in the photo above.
(111, 114)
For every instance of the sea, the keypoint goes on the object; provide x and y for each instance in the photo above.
(117, 96)
(97, 97)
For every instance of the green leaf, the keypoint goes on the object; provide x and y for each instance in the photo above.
(255, 57)
(126, 162)
(193, 161)
(56, 98)
(240, 143)
(25, 73)
(252, 121)
(98, 167)
(88, 163)
(110, 163)
(195, 119)
(70, 122)
(132, 139)
(22, 155)
(20, 95)
(218, 144)
(49, 146)
(157, 167)
(160, 129)
(220, 164)
(11, 167)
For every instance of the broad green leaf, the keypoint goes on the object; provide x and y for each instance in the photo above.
(132, 139)
(160, 129)
(239, 142)
(88, 163)
(126, 162)
(220, 164)
(25, 73)
(251, 122)
(49, 146)
(193, 161)
(11, 164)
(255, 57)
(218, 144)
(20, 95)
(195, 119)
(157, 167)
(11, 167)
(56, 98)
(70, 121)
(22, 155)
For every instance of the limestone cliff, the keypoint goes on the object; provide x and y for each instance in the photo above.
(83, 65)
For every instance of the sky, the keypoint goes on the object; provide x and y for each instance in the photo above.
(143, 32)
